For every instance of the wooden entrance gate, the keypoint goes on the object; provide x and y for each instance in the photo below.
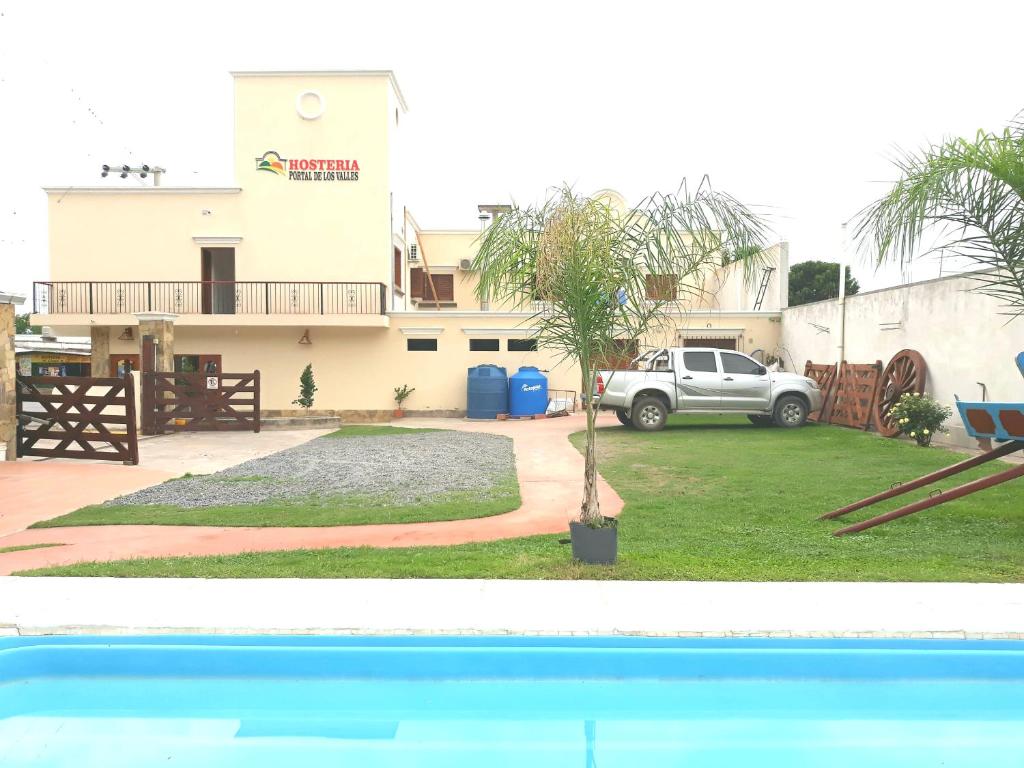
(188, 402)
(77, 417)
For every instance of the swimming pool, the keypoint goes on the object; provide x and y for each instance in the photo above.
(509, 701)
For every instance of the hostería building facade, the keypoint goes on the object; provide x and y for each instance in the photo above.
(314, 257)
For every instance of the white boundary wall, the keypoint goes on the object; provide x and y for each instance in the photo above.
(961, 334)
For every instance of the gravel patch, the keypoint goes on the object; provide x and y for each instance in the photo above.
(399, 468)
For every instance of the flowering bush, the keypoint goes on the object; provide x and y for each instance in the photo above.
(919, 417)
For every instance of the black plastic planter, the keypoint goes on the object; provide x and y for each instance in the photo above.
(595, 546)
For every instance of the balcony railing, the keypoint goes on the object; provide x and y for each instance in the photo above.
(209, 297)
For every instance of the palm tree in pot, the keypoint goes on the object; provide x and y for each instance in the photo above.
(585, 268)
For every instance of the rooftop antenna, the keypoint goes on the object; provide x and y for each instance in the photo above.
(143, 171)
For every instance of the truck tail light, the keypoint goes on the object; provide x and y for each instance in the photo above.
(600, 384)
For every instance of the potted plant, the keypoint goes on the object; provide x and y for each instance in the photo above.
(920, 417)
(582, 265)
(401, 395)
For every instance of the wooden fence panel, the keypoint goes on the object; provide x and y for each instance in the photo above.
(83, 417)
(855, 391)
(825, 375)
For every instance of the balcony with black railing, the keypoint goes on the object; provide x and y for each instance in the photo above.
(209, 297)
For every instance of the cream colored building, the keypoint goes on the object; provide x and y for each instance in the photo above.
(314, 257)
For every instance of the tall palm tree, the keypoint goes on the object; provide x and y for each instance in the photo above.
(585, 268)
(970, 194)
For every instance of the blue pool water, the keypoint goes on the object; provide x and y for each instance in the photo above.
(481, 702)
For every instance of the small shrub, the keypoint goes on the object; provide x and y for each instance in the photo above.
(402, 393)
(307, 387)
(920, 417)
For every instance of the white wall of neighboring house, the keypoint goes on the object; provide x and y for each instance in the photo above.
(735, 288)
(964, 336)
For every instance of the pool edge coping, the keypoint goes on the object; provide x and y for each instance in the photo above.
(116, 631)
(106, 606)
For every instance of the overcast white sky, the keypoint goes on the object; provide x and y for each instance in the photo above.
(794, 107)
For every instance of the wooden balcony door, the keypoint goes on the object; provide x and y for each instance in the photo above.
(218, 274)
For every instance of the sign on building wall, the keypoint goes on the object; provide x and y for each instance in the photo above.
(308, 169)
(52, 364)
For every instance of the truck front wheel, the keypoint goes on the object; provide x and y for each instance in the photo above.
(623, 417)
(649, 414)
(790, 411)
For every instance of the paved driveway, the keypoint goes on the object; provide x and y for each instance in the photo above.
(203, 453)
(549, 469)
(38, 489)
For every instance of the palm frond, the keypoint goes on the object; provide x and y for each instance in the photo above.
(589, 263)
(970, 193)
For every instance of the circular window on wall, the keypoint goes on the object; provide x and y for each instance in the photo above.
(310, 105)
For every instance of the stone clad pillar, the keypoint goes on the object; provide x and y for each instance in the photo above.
(159, 325)
(99, 355)
(8, 393)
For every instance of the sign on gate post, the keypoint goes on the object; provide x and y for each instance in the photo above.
(211, 382)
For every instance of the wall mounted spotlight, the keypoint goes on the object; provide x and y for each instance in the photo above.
(143, 171)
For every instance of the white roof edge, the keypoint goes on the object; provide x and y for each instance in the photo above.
(388, 73)
(726, 313)
(406, 313)
(144, 190)
(9, 297)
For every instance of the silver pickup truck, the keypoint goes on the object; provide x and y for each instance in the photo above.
(703, 380)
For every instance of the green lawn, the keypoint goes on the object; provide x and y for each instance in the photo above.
(709, 498)
(23, 547)
(309, 512)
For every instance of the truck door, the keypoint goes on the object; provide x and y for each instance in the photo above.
(698, 380)
(745, 383)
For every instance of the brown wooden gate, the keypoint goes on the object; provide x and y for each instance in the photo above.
(188, 402)
(77, 417)
(825, 375)
(855, 391)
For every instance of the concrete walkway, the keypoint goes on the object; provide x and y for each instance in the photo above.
(440, 606)
(31, 491)
(550, 473)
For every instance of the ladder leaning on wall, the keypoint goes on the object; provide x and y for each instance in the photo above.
(766, 278)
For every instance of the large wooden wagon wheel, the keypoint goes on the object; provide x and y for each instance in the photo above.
(904, 373)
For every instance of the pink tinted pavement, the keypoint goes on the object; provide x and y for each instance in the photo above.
(550, 474)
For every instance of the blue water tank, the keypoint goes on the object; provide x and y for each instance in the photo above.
(486, 392)
(527, 392)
